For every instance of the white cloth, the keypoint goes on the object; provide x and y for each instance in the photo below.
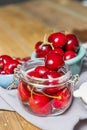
(78, 110)
(67, 120)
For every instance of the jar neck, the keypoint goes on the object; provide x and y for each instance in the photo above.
(40, 82)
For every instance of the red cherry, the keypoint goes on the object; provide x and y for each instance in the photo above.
(33, 74)
(18, 59)
(51, 90)
(52, 74)
(7, 64)
(53, 61)
(10, 66)
(58, 51)
(40, 104)
(69, 55)
(43, 50)
(38, 44)
(72, 43)
(58, 39)
(2, 72)
(23, 91)
(63, 98)
(5, 59)
(41, 70)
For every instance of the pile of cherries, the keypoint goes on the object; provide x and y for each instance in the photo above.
(8, 63)
(66, 45)
(47, 100)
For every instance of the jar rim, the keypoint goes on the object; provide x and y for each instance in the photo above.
(26, 66)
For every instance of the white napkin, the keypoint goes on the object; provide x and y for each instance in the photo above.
(77, 111)
(4, 105)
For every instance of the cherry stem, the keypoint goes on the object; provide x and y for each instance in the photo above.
(45, 36)
(44, 40)
(51, 96)
(66, 32)
(32, 92)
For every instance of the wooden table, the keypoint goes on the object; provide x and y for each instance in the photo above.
(23, 24)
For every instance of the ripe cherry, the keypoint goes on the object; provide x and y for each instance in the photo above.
(5, 59)
(2, 71)
(72, 43)
(9, 66)
(52, 74)
(53, 80)
(69, 55)
(53, 61)
(23, 91)
(51, 90)
(18, 59)
(58, 51)
(38, 44)
(41, 70)
(63, 98)
(33, 74)
(40, 104)
(42, 51)
(58, 39)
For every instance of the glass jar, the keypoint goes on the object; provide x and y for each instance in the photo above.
(45, 97)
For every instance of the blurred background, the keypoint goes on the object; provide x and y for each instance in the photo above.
(3, 2)
(56, 15)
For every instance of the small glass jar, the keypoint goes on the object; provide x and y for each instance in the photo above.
(45, 97)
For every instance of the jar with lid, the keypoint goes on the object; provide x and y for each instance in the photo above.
(42, 96)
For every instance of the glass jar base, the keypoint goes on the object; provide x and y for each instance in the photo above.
(54, 112)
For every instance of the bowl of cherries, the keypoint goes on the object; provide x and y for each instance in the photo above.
(7, 66)
(67, 45)
(45, 87)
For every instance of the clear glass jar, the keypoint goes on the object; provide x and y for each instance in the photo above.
(44, 97)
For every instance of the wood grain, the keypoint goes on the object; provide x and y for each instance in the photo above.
(23, 26)
(58, 16)
(9, 121)
(26, 125)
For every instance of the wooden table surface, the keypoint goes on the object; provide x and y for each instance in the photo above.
(23, 24)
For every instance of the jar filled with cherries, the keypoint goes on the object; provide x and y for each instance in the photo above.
(45, 86)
